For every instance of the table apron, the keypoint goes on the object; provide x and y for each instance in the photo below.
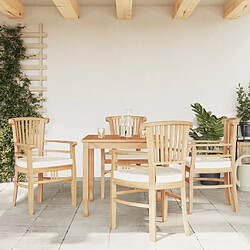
(110, 145)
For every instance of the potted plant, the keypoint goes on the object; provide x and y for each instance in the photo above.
(209, 128)
(243, 110)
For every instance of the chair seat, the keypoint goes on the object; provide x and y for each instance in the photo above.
(45, 161)
(210, 162)
(163, 175)
(108, 156)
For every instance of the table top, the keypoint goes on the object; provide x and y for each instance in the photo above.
(113, 138)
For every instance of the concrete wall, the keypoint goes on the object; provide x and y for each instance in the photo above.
(98, 66)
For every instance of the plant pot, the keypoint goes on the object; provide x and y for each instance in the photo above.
(243, 174)
(245, 129)
(213, 175)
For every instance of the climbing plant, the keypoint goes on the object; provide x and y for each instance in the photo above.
(16, 99)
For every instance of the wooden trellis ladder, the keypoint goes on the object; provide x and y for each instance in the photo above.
(36, 63)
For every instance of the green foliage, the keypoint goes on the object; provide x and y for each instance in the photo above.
(209, 127)
(16, 100)
(243, 107)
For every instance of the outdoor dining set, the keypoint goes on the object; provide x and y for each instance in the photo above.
(150, 157)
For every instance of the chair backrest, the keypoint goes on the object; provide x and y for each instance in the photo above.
(167, 142)
(29, 130)
(115, 121)
(230, 134)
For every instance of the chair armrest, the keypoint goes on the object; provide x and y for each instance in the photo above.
(204, 141)
(127, 165)
(219, 144)
(72, 143)
(197, 151)
(125, 152)
(24, 145)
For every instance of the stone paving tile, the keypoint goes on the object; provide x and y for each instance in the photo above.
(37, 248)
(177, 241)
(39, 240)
(8, 241)
(89, 241)
(131, 240)
(221, 240)
(56, 225)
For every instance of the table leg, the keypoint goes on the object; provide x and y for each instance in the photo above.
(91, 174)
(40, 188)
(85, 185)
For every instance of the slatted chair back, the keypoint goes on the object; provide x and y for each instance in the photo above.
(230, 135)
(167, 142)
(29, 130)
(115, 121)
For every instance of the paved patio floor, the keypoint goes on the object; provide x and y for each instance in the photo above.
(56, 225)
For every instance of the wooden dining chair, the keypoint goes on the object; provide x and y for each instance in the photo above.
(167, 149)
(215, 157)
(114, 122)
(28, 135)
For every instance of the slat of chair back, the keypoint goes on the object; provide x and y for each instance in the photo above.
(115, 121)
(230, 135)
(29, 130)
(167, 141)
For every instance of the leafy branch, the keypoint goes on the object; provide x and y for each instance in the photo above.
(209, 127)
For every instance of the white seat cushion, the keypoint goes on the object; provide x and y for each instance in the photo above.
(163, 175)
(44, 161)
(210, 162)
(108, 156)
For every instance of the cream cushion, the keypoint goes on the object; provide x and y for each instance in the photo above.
(210, 162)
(44, 161)
(108, 156)
(163, 174)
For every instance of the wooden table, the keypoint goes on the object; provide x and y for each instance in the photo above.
(92, 142)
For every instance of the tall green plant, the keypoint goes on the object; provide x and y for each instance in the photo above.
(243, 107)
(209, 127)
(16, 100)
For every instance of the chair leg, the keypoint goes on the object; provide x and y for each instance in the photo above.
(158, 195)
(102, 175)
(184, 210)
(112, 205)
(40, 188)
(164, 205)
(234, 192)
(191, 192)
(73, 187)
(15, 189)
(152, 214)
(31, 195)
(227, 190)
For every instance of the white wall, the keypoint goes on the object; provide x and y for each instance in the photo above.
(98, 65)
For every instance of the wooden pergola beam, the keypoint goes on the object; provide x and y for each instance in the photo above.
(68, 8)
(184, 8)
(124, 9)
(236, 8)
(12, 9)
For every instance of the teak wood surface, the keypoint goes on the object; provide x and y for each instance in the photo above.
(228, 145)
(166, 145)
(114, 123)
(243, 148)
(92, 142)
(28, 134)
